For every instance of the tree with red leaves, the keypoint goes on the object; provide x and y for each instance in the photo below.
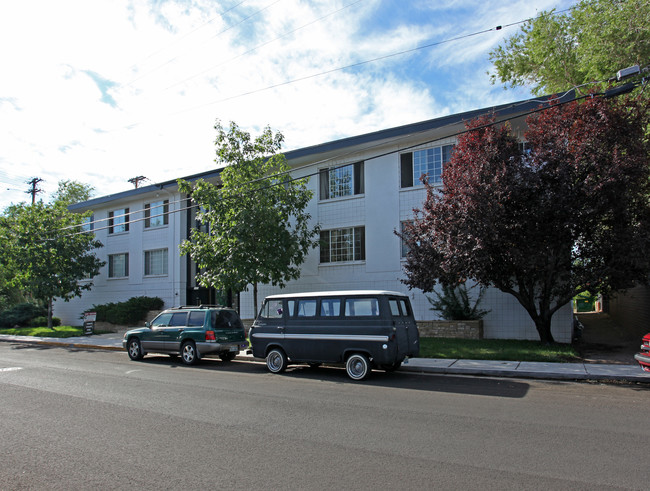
(570, 213)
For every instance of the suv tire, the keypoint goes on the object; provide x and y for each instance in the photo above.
(189, 355)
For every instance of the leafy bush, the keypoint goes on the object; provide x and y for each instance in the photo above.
(41, 321)
(21, 314)
(455, 303)
(130, 312)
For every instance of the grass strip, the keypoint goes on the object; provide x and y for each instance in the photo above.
(497, 349)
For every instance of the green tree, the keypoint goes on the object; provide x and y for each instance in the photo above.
(70, 192)
(257, 228)
(46, 253)
(555, 52)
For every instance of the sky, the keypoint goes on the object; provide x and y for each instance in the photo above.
(103, 91)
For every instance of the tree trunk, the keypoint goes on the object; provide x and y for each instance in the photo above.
(50, 324)
(543, 326)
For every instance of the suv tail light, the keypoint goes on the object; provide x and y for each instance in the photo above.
(209, 336)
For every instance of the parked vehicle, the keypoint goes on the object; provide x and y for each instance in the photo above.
(643, 357)
(361, 329)
(191, 332)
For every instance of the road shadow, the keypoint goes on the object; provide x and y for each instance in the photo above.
(482, 386)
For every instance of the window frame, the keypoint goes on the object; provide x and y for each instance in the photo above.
(358, 245)
(151, 213)
(111, 265)
(165, 262)
(408, 178)
(356, 187)
(122, 224)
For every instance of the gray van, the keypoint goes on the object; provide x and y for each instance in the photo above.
(363, 329)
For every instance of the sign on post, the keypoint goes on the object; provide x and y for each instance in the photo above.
(89, 322)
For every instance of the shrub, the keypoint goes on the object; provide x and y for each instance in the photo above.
(21, 314)
(455, 304)
(130, 312)
(41, 321)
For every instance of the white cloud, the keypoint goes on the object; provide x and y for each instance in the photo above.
(102, 91)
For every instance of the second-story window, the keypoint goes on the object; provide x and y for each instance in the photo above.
(428, 162)
(345, 180)
(156, 214)
(118, 221)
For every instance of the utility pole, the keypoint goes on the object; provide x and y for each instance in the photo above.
(136, 180)
(34, 190)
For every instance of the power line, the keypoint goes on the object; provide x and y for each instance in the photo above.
(216, 35)
(288, 33)
(345, 67)
(545, 104)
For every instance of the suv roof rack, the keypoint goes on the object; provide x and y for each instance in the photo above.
(202, 306)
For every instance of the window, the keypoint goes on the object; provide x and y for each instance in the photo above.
(306, 308)
(272, 309)
(155, 262)
(330, 307)
(88, 223)
(226, 319)
(428, 162)
(118, 221)
(118, 265)
(196, 319)
(178, 319)
(344, 244)
(346, 180)
(361, 307)
(405, 247)
(156, 214)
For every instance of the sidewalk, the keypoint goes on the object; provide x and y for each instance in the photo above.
(523, 369)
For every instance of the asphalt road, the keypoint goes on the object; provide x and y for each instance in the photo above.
(79, 419)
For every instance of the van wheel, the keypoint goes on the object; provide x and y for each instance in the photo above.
(276, 361)
(357, 366)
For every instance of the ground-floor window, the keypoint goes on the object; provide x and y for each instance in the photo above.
(118, 265)
(155, 262)
(343, 244)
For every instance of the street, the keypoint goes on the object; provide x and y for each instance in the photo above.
(83, 419)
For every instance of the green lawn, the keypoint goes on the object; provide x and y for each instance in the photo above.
(496, 349)
(44, 332)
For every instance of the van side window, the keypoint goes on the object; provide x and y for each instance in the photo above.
(394, 307)
(357, 307)
(306, 308)
(405, 307)
(291, 307)
(330, 307)
(272, 309)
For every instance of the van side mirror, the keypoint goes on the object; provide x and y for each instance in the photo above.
(147, 324)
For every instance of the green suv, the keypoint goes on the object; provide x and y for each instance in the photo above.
(191, 332)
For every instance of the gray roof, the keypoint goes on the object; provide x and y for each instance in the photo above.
(502, 111)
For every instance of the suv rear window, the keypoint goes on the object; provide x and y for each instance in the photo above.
(225, 319)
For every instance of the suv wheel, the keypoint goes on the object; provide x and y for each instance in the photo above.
(189, 354)
(276, 361)
(134, 349)
(357, 366)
